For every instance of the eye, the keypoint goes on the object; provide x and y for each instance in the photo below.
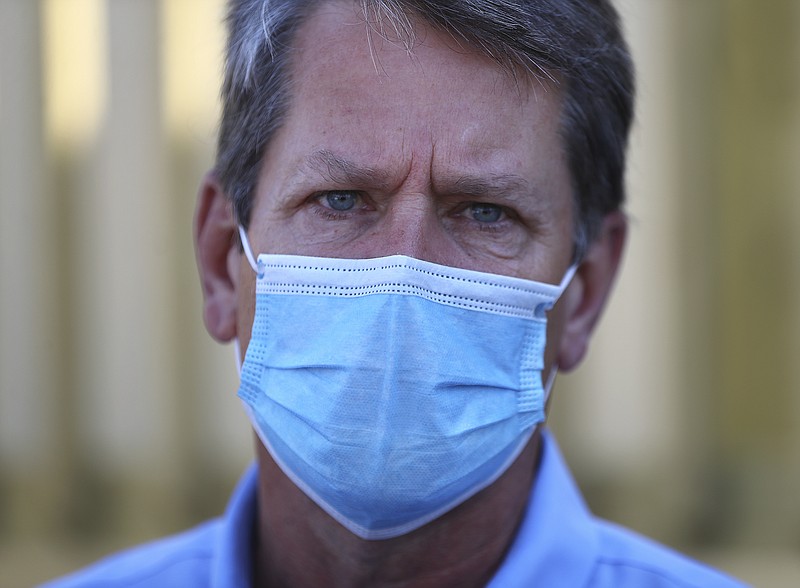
(485, 213)
(341, 200)
(340, 205)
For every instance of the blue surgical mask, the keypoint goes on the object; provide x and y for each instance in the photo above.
(391, 390)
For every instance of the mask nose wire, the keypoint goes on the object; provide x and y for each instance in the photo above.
(248, 251)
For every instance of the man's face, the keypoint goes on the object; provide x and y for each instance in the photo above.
(435, 153)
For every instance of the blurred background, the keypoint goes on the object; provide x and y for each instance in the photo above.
(118, 415)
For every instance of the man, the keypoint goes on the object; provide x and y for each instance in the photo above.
(414, 221)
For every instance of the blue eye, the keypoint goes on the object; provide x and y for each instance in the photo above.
(486, 213)
(341, 200)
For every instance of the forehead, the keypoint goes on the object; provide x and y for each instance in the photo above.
(429, 108)
(380, 34)
(354, 65)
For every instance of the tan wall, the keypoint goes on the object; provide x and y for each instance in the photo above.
(118, 415)
(685, 421)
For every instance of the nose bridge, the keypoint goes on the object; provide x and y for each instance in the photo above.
(411, 227)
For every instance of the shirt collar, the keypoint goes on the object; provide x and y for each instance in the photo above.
(232, 566)
(557, 544)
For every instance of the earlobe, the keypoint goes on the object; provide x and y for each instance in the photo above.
(586, 297)
(216, 249)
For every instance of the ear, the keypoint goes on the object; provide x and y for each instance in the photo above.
(586, 296)
(217, 251)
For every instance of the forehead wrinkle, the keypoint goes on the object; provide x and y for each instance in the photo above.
(340, 170)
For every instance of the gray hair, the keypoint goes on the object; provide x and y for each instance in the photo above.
(575, 43)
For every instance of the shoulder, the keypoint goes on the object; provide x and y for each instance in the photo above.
(182, 560)
(216, 552)
(629, 559)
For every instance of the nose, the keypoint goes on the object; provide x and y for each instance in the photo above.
(410, 226)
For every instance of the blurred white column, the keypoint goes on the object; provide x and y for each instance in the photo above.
(31, 452)
(125, 256)
(29, 326)
(794, 272)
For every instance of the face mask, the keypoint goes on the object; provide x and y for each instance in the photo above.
(391, 390)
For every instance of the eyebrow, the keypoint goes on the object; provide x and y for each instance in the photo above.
(491, 185)
(343, 171)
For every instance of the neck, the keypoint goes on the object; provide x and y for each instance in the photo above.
(298, 544)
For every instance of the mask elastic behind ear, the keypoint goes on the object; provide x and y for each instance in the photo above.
(248, 251)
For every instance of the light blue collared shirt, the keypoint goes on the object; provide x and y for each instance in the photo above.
(559, 544)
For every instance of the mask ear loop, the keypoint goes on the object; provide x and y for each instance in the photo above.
(551, 377)
(248, 251)
(548, 385)
(565, 280)
(237, 353)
